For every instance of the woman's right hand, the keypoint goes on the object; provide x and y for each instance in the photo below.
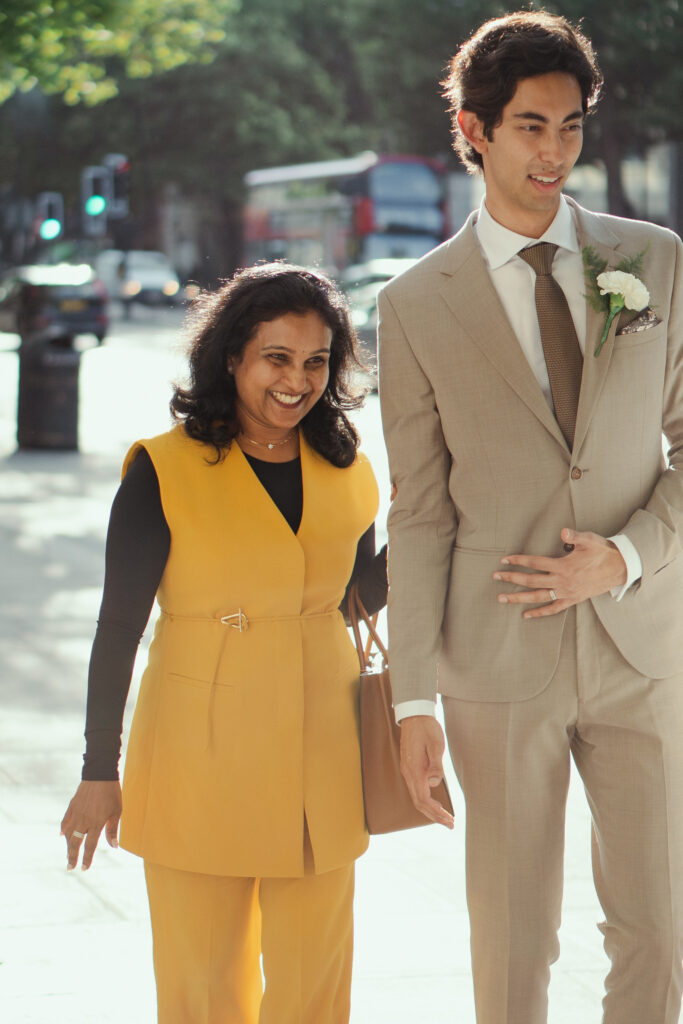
(95, 806)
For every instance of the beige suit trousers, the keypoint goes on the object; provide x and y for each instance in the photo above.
(625, 735)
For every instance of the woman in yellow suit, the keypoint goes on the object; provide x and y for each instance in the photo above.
(242, 787)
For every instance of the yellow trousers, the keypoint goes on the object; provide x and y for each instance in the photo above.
(252, 950)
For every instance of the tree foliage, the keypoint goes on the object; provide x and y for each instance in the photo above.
(83, 49)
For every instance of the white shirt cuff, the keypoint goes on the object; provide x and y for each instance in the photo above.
(412, 708)
(634, 566)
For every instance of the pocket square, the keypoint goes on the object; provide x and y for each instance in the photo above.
(642, 322)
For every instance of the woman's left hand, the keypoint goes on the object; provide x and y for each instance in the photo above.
(95, 806)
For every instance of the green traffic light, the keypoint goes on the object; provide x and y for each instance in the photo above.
(94, 205)
(50, 229)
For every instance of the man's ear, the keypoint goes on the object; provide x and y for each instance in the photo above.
(473, 130)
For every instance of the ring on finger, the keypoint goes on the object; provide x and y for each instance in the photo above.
(78, 835)
(553, 595)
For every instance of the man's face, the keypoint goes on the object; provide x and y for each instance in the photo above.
(532, 151)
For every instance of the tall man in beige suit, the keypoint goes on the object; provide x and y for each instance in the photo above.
(535, 556)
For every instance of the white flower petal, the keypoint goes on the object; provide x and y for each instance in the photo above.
(617, 282)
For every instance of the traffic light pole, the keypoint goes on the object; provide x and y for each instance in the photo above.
(118, 166)
(95, 199)
(49, 215)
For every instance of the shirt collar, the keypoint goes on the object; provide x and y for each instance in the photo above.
(499, 244)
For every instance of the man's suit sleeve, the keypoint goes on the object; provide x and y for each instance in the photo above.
(656, 531)
(422, 518)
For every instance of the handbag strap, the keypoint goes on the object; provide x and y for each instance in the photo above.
(358, 614)
(355, 626)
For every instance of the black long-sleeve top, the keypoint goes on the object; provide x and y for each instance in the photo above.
(138, 543)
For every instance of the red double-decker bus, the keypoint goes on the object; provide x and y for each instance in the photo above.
(337, 212)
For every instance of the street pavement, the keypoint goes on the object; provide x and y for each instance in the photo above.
(75, 947)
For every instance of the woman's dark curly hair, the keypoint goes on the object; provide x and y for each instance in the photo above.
(222, 322)
(484, 73)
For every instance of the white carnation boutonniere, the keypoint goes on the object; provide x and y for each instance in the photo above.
(613, 290)
(624, 290)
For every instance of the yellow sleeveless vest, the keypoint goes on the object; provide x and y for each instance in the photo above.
(247, 714)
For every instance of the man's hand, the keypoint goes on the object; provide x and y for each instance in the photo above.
(422, 747)
(593, 567)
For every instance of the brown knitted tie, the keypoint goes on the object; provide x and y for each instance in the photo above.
(563, 357)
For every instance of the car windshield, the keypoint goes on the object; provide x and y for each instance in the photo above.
(149, 259)
(60, 274)
(374, 271)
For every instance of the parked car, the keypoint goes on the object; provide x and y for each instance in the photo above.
(361, 282)
(138, 275)
(53, 303)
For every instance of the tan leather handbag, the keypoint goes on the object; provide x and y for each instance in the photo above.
(388, 806)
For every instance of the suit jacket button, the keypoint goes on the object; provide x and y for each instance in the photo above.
(576, 473)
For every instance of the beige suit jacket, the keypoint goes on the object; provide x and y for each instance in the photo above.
(483, 470)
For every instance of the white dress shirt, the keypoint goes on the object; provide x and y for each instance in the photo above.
(515, 282)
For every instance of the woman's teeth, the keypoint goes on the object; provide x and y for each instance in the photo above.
(286, 399)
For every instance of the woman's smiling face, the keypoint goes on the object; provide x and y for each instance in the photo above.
(283, 371)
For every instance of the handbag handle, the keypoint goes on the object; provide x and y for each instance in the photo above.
(358, 614)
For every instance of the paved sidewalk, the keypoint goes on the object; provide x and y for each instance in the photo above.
(76, 947)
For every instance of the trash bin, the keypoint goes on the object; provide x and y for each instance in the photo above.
(47, 415)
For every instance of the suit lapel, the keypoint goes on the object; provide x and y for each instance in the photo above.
(593, 231)
(473, 301)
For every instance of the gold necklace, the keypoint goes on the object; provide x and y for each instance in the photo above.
(268, 444)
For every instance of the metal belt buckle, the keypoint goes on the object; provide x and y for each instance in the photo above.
(241, 623)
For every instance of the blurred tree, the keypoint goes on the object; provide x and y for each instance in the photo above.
(639, 45)
(292, 80)
(406, 47)
(284, 88)
(82, 49)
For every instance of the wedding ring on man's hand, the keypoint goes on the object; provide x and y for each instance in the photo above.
(78, 835)
(553, 597)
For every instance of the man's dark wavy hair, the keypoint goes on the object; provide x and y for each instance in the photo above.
(223, 321)
(484, 73)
